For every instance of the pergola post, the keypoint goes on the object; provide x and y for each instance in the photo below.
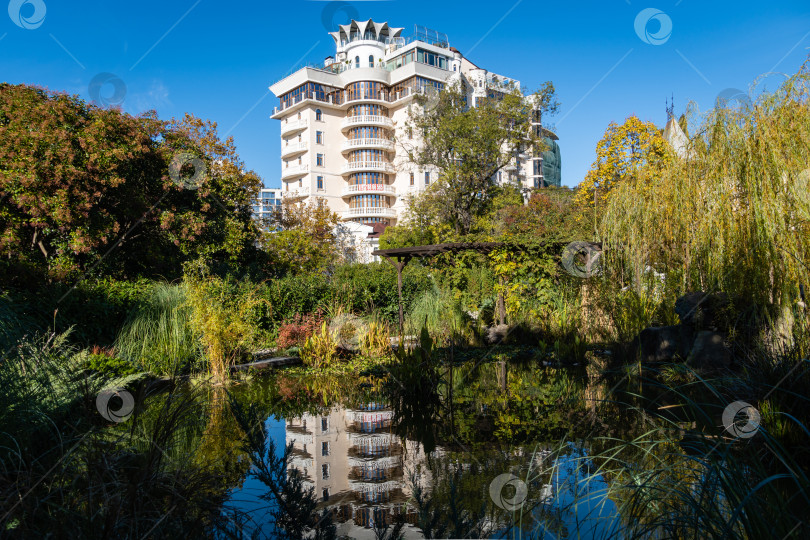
(400, 265)
(501, 306)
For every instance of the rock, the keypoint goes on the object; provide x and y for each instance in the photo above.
(664, 343)
(703, 310)
(709, 351)
(496, 334)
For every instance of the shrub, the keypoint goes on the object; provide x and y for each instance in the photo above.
(105, 361)
(223, 316)
(376, 342)
(320, 349)
(296, 331)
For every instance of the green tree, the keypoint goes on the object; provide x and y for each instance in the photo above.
(469, 145)
(82, 186)
(305, 239)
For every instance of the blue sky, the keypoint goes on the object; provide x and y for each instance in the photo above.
(216, 59)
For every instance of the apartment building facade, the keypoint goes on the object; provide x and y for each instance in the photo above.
(267, 207)
(344, 122)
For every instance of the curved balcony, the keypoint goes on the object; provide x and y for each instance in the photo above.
(295, 171)
(294, 126)
(370, 166)
(356, 144)
(366, 120)
(292, 149)
(370, 211)
(362, 189)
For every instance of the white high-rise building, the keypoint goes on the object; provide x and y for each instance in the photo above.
(340, 120)
(267, 207)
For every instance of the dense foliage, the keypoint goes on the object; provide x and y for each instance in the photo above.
(85, 188)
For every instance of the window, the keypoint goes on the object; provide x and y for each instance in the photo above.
(299, 160)
(324, 424)
(319, 160)
(427, 178)
(325, 471)
(325, 494)
(319, 137)
(325, 448)
(371, 60)
(357, 61)
(300, 182)
(320, 182)
(412, 175)
(318, 115)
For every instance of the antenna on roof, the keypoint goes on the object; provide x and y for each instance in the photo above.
(671, 108)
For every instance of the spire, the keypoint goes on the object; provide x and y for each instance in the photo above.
(671, 108)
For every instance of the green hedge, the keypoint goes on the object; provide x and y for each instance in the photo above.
(360, 288)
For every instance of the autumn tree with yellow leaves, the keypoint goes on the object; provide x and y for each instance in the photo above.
(626, 151)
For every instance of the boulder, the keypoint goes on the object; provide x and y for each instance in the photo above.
(664, 343)
(703, 310)
(496, 334)
(709, 351)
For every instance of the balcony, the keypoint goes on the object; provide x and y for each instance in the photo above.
(370, 211)
(371, 166)
(360, 189)
(292, 149)
(356, 144)
(365, 120)
(294, 171)
(298, 193)
(294, 126)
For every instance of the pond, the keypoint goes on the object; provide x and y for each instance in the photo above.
(479, 449)
(474, 448)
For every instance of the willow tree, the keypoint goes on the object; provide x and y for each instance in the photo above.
(469, 145)
(734, 215)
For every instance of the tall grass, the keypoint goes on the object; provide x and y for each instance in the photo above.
(441, 313)
(158, 336)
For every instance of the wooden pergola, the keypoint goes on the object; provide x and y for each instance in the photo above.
(400, 257)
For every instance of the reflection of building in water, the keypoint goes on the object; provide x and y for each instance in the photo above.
(357, 467)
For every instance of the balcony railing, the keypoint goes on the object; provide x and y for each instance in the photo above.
(383, 189)
(353, 144)
(293, 148)
(375, 166)
(297, 193)
(366, 120)
(293, 171)
(370, 211)
(294, 125)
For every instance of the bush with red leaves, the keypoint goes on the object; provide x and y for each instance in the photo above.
(296, 331)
